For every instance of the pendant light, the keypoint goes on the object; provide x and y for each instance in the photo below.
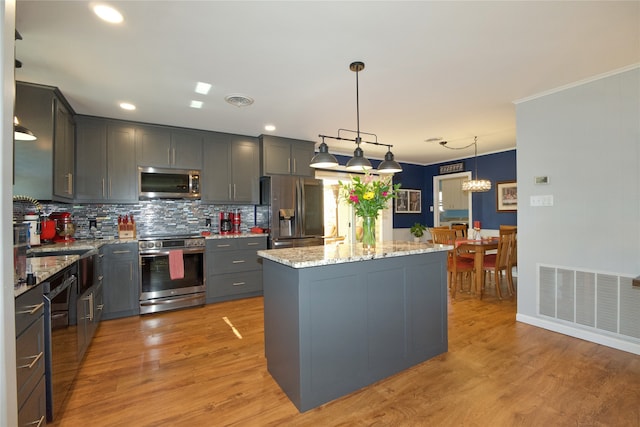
(474, 185)
(21, 133)
(324, 159)
(358, 162)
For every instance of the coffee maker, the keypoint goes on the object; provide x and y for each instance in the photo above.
(225, 223)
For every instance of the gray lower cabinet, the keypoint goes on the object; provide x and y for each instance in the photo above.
(234, 270)
(106, 169)
(89, 308)
(30, 358)
(230, 172)
(121, 280)
(285, 156)
(165, 147)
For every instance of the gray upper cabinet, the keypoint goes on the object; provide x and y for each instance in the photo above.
(43, 169)
(106, 168)
(63, 153)
(164, 147)
(285, 156)
(230, 171)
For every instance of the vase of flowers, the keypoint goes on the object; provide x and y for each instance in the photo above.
(368, 196)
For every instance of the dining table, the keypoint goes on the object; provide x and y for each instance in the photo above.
(479, 248)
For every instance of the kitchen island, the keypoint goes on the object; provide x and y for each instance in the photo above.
(337, 318)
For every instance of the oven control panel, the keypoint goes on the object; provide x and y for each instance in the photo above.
(171, 244)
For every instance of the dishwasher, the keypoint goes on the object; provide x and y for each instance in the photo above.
(60, 337)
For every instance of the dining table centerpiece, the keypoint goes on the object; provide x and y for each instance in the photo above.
(368, 196)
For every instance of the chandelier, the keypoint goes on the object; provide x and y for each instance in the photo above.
(474, 185)
(358, 162)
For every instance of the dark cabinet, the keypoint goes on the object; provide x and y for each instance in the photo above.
(44, 168)
(63, 153)
(230, 170)
(121, 280)
(30, 358)
(166, 147)
(106, 168)
(90, 306)
(285, 156)
(234, 269)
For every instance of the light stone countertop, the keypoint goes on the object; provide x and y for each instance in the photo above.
(43, 268)
(315, 256)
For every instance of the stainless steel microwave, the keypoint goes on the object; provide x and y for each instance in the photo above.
(161, 183)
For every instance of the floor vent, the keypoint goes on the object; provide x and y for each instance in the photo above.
(602, 301)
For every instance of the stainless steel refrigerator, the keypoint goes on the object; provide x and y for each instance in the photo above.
(296, 210)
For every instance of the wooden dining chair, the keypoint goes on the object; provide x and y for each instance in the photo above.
(513, 256)
(499, 262)
(458, 269)
(442, 235)
(461, 230)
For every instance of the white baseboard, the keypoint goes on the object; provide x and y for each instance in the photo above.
(595, 337)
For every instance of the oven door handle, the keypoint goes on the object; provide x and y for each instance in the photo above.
(170, 300)
(166, 252)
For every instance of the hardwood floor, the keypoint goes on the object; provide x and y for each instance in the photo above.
(188, 368)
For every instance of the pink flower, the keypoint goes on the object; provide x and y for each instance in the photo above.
(353, 198)
(384, 194)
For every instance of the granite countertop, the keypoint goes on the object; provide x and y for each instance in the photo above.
(43, 268)
(315, 256)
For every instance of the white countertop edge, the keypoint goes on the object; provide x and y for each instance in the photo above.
(316, 256)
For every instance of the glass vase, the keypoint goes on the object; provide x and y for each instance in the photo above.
(368, 232)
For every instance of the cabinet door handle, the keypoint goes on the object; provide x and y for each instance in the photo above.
(289, 165)
(229, 190)
(238, 261)
(33, 310)
(69, 183)
(234, 191)
(89, 299)
(238, 283)
(32, 364)
(168, 156)
(121, 252)
(173, 161)
(100, 307)
(102, 187)
(295, 169)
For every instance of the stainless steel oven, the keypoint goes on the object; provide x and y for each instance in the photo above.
(158, 291)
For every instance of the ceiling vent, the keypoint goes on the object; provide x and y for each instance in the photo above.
(238, 100)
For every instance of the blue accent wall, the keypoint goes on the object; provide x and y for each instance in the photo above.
(496, 167)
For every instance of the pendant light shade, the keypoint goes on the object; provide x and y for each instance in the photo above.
(324, 159)
(389, 165)
(21, 133)
(358, 162)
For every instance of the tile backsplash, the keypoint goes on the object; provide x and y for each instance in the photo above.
(155, 217)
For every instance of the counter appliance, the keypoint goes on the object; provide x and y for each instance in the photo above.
(296, 210)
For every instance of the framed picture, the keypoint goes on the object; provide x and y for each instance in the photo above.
(409, 201)
(507, 196)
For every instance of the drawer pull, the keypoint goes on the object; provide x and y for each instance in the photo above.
(121, 252)
(33, 310)
(32, 364)
(238, 283)
(37, 423)
(253, 244)
(238, 261)
(223, 246)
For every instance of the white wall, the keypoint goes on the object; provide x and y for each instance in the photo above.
(8, 398)
(586, 139)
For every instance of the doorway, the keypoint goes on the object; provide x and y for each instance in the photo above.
(340, 222)
(451, 204)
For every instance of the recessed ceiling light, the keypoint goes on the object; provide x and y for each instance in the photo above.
(107, 13)
(239, 100)
(196, 104)
(270, 128)
(127, 106)
(203, 88)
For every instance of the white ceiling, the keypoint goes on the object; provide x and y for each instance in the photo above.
(433, 69)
